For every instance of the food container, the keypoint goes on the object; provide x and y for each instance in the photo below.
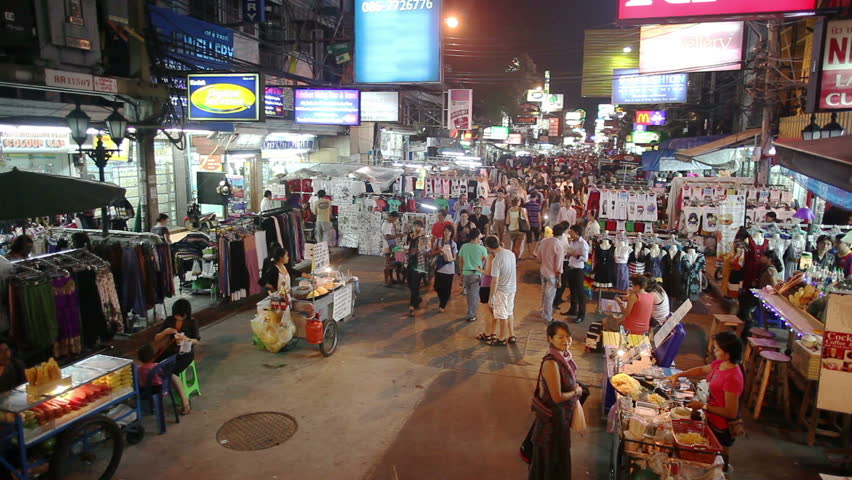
(696, 453)
(806, 360)
(681, 413)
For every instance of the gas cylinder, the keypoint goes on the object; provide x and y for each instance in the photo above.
(314, 330)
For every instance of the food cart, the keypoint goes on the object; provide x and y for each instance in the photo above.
(75, 425)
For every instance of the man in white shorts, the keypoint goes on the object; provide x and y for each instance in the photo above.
(504, 285)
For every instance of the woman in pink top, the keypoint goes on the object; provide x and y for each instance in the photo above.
(639, 307)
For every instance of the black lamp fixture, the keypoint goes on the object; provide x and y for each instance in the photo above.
(812, 131)
(78, 122)
(833, 129)
(117, 126)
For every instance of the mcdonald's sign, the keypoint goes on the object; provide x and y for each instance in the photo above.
(650, 117)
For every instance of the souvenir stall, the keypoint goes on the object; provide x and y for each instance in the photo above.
(142, 269)
(625, 209)
(310, 309)
(60, 413)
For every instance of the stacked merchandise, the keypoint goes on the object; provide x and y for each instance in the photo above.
(624, 210)
(349, 224)
(62, 303)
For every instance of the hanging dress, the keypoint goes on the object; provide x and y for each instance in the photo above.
(692, 273)
(751, 269)
(622, 272)
(604, 267)
(653, 265)
(673, 274)
(636, 263)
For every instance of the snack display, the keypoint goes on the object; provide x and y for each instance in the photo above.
(45, 373)
(692, 438)
(626, 385)
(804, 296)
(657, 399)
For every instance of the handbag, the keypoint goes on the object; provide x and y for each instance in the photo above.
(523, 224)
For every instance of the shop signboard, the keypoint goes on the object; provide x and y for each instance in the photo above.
(460, 109)
(691, 47)
(629, 87)
(644, 10)
(224, 97)
(536, 96)
(526, 120)
(606, 110)
(278, 102)
(645, 137)
(254, 11)
(379, 106)
(835, 91)
(554, 128)
(515, 139)
(193, 42)
(398, 41)
(210, 163)
(63, 79)
(553, 103)
(342, 303)
(653, 118)
(35, 140)
(835, 380)
(328, 107)
(496, 133)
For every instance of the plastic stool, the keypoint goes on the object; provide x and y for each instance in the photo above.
(761, 333)
(769, 361)
(195, 386)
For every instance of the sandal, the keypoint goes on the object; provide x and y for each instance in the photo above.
(485, 337)
(496, 342)
(512, 339)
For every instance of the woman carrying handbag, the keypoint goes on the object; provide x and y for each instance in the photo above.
(519, 225)
(557, 405)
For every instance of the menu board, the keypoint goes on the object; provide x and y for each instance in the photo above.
(835, 379)
(671, 323)
(319, 258)
(342, 303)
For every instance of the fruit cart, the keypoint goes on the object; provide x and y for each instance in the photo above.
(74, 425)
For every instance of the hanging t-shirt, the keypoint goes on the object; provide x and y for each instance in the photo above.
(604, 204)
(787, 197)
(710, 219)
(774, 195)
(381, 205)
(692, 219)
(455, 187)
(631, 206)
(393, 205)
(442, 204)
(720, 193)
(462, 187)
(621, 205)
(429, 187)
(445, 186)
(651, 207)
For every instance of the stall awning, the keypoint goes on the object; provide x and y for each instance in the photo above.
(665, 161)
(828, 160)
(729, 141)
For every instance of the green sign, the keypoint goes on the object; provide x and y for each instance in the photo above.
(645, 137)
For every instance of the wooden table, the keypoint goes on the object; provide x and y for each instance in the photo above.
(799, 321)
(721, 322)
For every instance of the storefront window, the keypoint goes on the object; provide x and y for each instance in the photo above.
(56, 164)
(166, 199)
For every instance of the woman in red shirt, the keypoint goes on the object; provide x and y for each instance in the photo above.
(637, 310)
(725, 376)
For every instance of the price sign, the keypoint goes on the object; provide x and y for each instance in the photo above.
(320, 259)
(670, 324)
(342, 303)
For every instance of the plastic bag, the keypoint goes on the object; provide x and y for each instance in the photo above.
(578, 422)
(274, 334)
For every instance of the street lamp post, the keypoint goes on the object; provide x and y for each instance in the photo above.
(116, 124)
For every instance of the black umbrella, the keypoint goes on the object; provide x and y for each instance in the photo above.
(29, 194)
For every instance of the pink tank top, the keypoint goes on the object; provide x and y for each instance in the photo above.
(639, 321)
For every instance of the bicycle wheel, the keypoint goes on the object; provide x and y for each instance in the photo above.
(90, 449)
(330, 338)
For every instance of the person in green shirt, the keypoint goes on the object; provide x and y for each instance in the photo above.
(472, 258)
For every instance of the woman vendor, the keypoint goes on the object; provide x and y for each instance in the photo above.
(725, 376)
(278, 263)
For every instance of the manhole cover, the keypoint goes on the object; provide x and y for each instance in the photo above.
(256, 431)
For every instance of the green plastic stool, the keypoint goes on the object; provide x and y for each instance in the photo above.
(195, 386)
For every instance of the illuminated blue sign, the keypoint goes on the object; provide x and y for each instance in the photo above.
(397, 41)
(629, 87)
(192, 43)
(328, 107)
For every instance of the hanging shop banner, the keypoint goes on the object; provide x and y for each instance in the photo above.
(835, 91)
(225, 97)
(654, 118)
(191, 42)
(553, 103)
(629, 87)
(278, 102)
(328, 107)
(835, 378)
(398, 41)
(460, 109)
(496, 133)
(515, 139)
(691, 47)
(210, 163)
(35, 140)
(645, 137)
(633, 10)
(379, 106)
(254, 11)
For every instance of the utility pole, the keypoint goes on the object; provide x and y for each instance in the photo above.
(770, 105)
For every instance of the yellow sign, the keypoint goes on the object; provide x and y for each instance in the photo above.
(122, 154)
(222, 98)
(211, 163)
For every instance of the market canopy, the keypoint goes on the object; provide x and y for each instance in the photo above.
(665, 161)
(717, 154)
(828, 160)
(30, 194)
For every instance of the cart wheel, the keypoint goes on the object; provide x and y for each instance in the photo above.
(330, 338)
(89, 449)
(135, 433)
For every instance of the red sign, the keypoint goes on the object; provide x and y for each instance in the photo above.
(515, 139)
(211, 163)
(526, 120)
(836, 86)
(555, 129)
(648, 9)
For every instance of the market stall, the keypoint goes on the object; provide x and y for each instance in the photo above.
(72, 418)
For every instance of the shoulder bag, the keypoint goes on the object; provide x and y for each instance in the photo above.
(523, 221)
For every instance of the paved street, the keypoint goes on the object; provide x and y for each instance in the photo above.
(405, 399)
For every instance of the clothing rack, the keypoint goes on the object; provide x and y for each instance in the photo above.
(119, 234)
